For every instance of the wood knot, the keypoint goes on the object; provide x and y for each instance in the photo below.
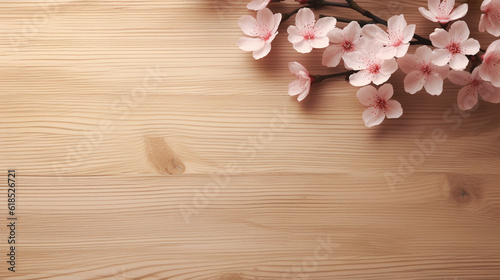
(162, 157)
(464, 190)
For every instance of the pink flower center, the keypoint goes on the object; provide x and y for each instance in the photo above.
(475, 83)
(380, 103)
(426, 69)
(266, 35)
(453, 48)
(309, 31)
(374, 68)
(309, 34)
(347, 46)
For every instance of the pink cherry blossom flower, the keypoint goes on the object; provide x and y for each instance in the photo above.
(302, 85)
(453, 46)
(422, 73)
(372, 68)
(397, 39)
(343, 41)
(262, 32)
(490, 19)
(257, 4)
(442, 11)
(309, 33)
(489, 70)
(379, 105)
(473, 86)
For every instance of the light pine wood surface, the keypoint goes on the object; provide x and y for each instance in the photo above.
(148, 146)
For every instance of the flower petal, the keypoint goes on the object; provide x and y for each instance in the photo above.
(434, 6)
(467, 97)
(305, 18)
(354, 60)
(249, 25)
(459, 62)
(439, 38)
(373, 116)
(277, 21)
(250, 44)
(470, 46)
(393, 109)
(257, 4)
(294, 35)
(319, 43)
(407, 63)
(460, 78)
(385, 92)
(414, 82)
(459, 31)
(402, 49)
(296, 68)
(427, 14)
(380, 78)
(297, 87)
(332, 55)
(335, 35)
(489, 93)
(367, 95)
(389, 66)
(324, 25)
(361, 78)
(409, 32)
(303, 46)
(352, 31)
(387, 52)
(440, 57)
(306, 91)
(459, 12)
(434, 85)
(260, 53)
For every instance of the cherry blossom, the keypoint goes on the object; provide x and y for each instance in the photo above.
(473, 86)
(490, 19)
(262, 32)
(257, 4)
(422, 73)
(309, 33)
(343, 41)
(302, 85)
(489, 70)
(379, 104)
(372, 68)
(442, 11)
(453, 46)
(397, 39)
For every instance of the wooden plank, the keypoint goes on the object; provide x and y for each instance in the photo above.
(148, 146)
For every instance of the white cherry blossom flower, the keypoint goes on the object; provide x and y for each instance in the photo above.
(490, 19)
(442, 11)
(257, 4)
(309, 33)
(396, 40)
(473, 86)
(372, 68)
(262, 32)
(302, 85)
(342, 41)
(453, 46)
(379, 104)
(422, 73)
(489, 70)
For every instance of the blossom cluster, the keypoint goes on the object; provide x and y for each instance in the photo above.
(374, 50)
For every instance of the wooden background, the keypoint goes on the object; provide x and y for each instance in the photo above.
(148, 146)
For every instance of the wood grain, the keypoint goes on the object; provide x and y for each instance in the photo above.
(148, 146)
